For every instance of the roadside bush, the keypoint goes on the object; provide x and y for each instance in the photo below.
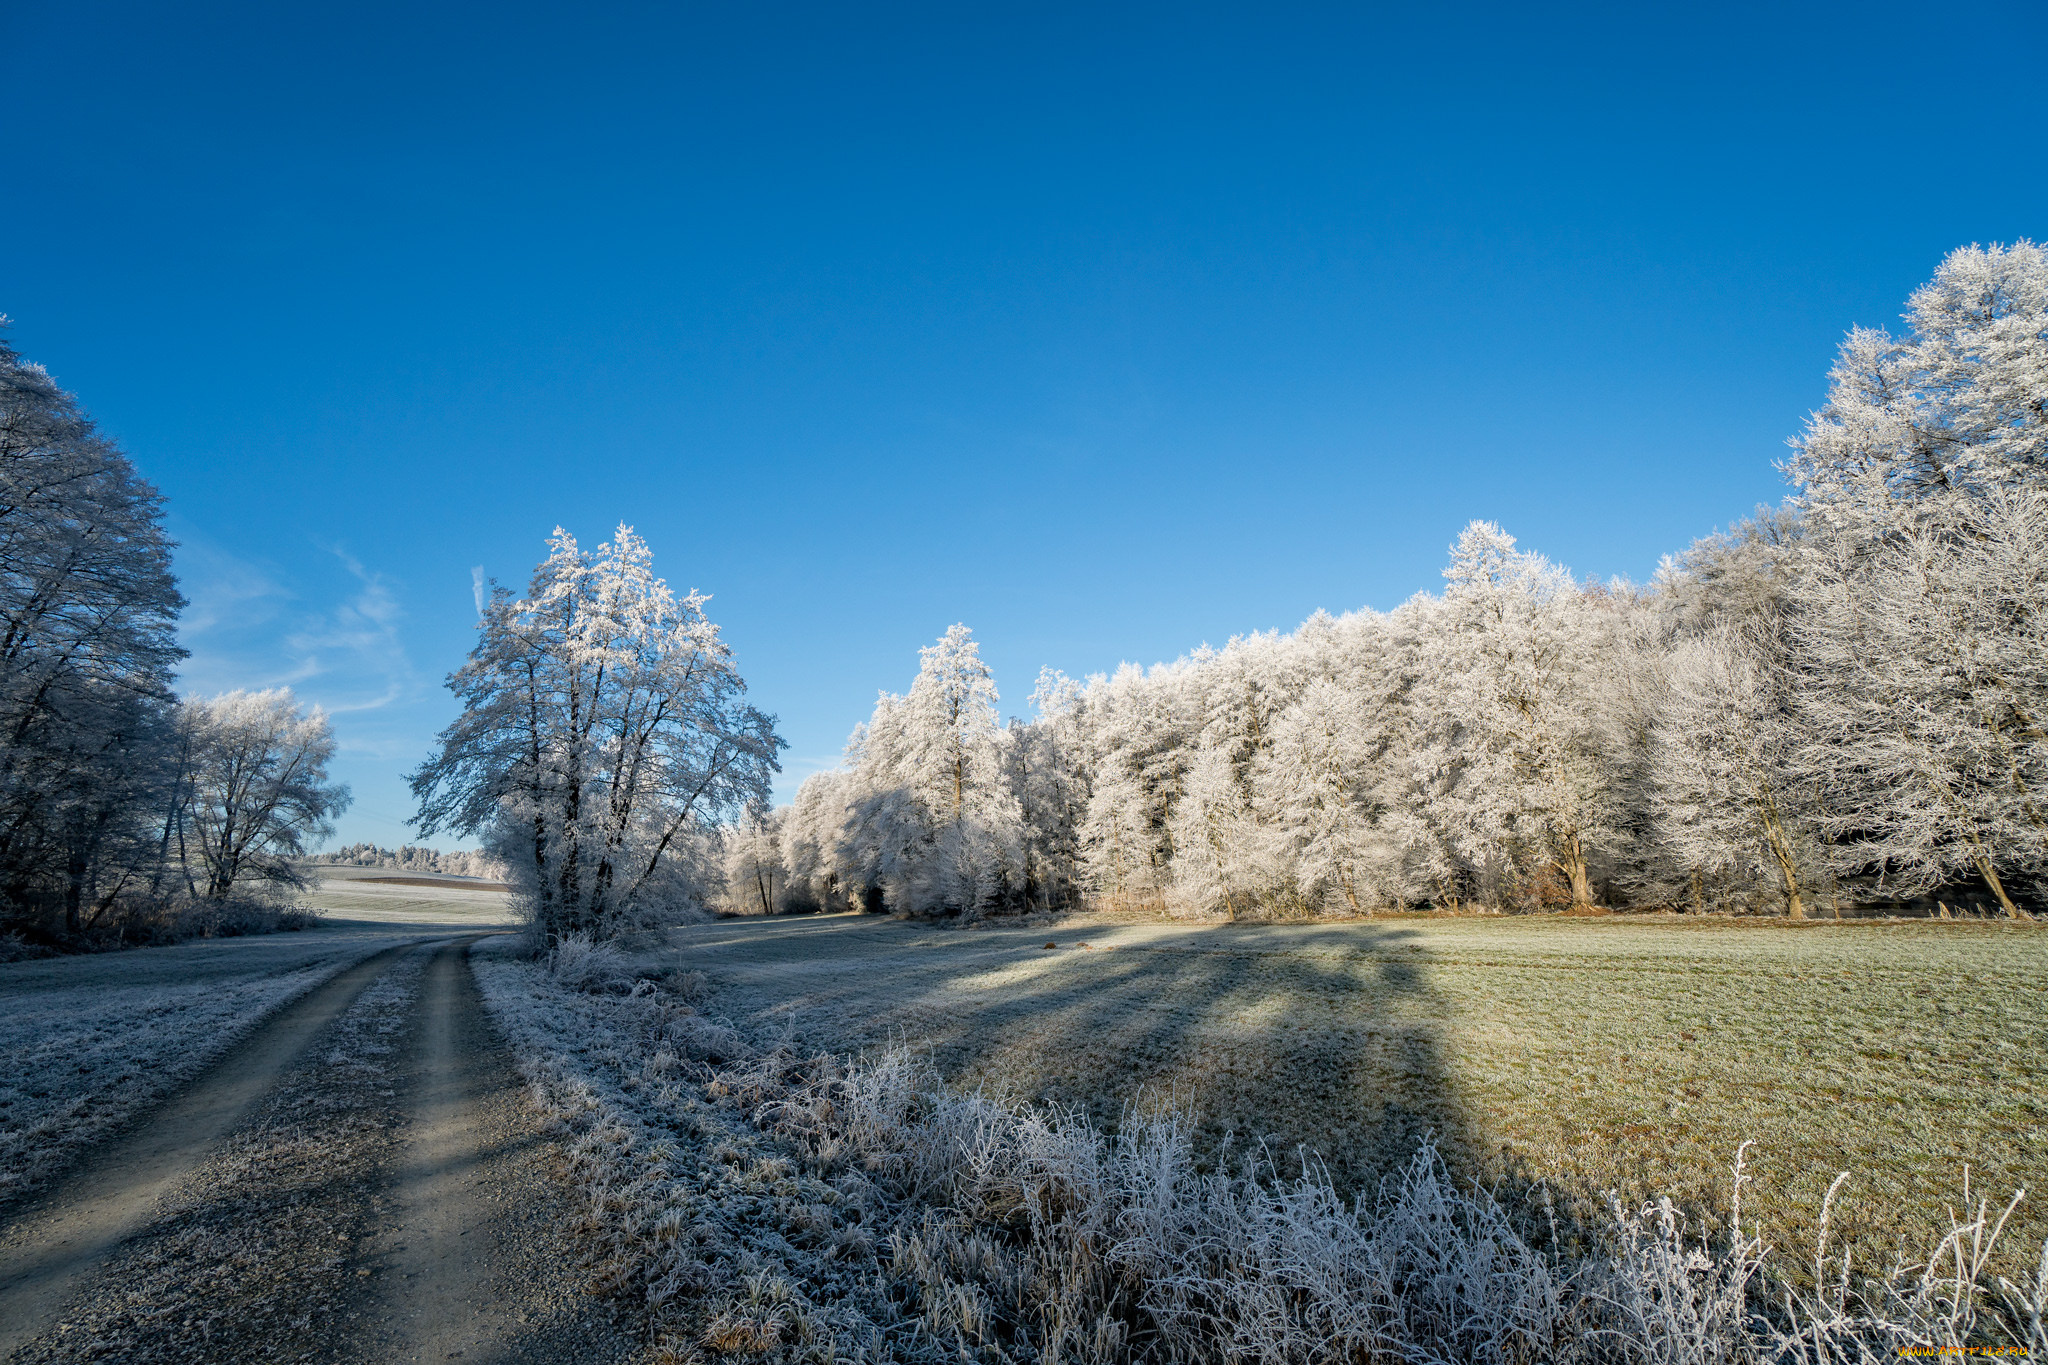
(237, 916)
(1117, 1247)
(598, 967)
(155, 922)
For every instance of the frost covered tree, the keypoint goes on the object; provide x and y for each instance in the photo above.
(1850, 686)
(1926, 735)
(411, 857)
(1520, 667)
(934, 824)
(604, 736)
(1726, 793)
(818, 871)
(751, 863)
(1741, 578)
(1222, 863)
(1920, 594)
(1317, 786)
(949, 723)
(1141, 728)
(88, 610)
(1228, 859)
(258, 791)
(1044, 769)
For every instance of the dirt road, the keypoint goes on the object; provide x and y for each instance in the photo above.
(360, 1181)
(474, 1264)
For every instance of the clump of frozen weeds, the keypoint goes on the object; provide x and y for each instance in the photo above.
(776, 1205)
(581, 965)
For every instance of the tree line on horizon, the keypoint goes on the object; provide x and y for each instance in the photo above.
(127, 812)
(459, 862)
(1840, 702)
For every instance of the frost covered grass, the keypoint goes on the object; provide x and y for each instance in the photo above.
(92, 1041)
(1629, 1054)
(776, 1204)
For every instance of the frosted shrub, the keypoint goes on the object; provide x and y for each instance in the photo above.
(1103, 1240)
(1943, 1304)
(583, 965)
(1664, 1295)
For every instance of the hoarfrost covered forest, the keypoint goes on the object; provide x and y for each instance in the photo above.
(127, 813)
(1836, 704)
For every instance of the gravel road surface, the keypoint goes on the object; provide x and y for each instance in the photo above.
(362, 1180)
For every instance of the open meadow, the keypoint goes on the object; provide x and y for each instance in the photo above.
(1634, 1053)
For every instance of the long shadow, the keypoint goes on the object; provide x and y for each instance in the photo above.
(1294, 1039)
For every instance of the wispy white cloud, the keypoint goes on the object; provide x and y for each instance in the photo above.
(248, 626)
(334, 629)
(224, 592)
(357, 640)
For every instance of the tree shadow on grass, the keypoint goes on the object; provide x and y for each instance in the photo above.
(1295, 1039)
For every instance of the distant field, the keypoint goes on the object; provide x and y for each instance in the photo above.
(382, 895)
(1626, 1053)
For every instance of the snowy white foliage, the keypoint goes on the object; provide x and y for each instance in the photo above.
(1844, 699)
(1726, 798)
(750, 867)
(88, 609)
(1919, 622)
(603, 737)
(257, 791)
(924, 818)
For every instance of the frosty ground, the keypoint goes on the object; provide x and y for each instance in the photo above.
(676, 1183)
(1635, 1053)
(357, 1175)
(93, 1040)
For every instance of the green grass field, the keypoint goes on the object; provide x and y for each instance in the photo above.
(1634, 1054)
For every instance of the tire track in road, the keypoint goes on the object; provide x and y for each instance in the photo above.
(364, 1182)
(478, 1264)
(54, 1242)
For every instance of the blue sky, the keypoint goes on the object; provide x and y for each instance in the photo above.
(1107, 330)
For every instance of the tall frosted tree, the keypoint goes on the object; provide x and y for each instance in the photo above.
(934, 824)
(1726, 794)
(257, 794)
(819, 867)
(1229, 858)
(88, 611)
(1141, 729)
(949, 723)
(1919, 604)
(1044, 768)
(751, 863)
(604, 733)
(1317, 787)
(1518, 666)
